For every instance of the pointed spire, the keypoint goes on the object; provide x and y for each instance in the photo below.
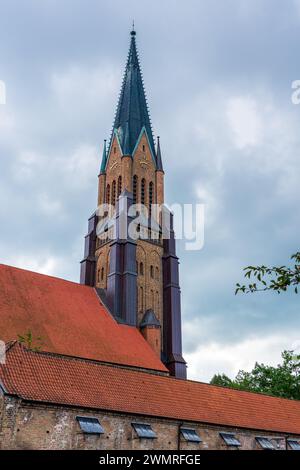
(104, 158)
(132, 111)
(158, 156)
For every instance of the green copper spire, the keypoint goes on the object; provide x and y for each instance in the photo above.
(104, 158)
(132, 112)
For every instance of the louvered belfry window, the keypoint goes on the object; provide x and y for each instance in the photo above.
(107, 198)
(113, 195)
(150, 197)
(119, 185)
(134, 188)
(143, 188)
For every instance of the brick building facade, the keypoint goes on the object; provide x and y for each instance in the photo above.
(38, 426)
(51, 401)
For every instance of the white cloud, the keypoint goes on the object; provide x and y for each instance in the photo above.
(82, 166)
(44, 264)
(245, 121)
(213, 358)
(50, 206)
(208, 195)
(2, 93)
(297, 6)
(26, 164)
(76, 169)
(7, 121)
(80, 87)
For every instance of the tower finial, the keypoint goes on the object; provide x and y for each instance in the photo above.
(133, 32)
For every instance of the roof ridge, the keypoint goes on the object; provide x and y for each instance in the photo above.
(42, 274)
(97, 362)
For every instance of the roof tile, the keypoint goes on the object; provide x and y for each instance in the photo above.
(38, 376)
(69, 318)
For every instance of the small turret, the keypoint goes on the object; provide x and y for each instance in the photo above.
(151, 330)
(104, 159)
(158, 156)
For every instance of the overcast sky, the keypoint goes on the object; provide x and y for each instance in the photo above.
(218, 78)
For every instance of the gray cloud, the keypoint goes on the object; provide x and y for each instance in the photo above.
(218, 77)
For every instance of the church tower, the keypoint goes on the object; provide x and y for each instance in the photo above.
(136, 277)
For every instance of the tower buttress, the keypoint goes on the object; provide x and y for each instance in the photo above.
(88, 264)
(160, 176)
(172, 343)
(121, 283)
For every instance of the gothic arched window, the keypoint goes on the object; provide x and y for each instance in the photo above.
(143, 184)
(134, 188)
(102, 274)
(107, 196)
(119, 185)
(113, 195)
(141, 269)
(157, 302)
(152, 272)
(150, 197)
(141, 298)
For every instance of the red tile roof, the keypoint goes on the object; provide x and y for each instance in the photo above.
(63, 380)
(69, 318)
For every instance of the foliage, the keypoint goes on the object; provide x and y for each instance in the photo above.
(281, 381)
(278, 279)
(28, 340)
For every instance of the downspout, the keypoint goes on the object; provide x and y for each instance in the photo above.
(178, 435)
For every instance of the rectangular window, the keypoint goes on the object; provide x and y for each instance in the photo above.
(265, 443)
(230, 439)
(90, 425)
(294, 445)
(190, 435)
(144, 430)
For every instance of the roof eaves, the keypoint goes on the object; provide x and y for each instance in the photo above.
(3, 388)
(147, 413)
